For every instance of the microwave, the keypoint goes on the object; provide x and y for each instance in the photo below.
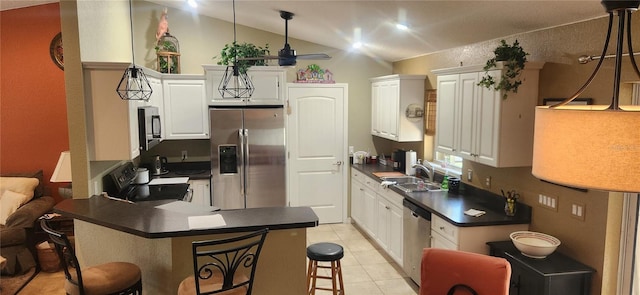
(149, 130)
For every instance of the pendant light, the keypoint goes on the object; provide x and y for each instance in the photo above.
(134, 84)
(235, 84)
(593, 146)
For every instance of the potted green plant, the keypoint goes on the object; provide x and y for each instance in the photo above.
(514, 59)
(230, 52)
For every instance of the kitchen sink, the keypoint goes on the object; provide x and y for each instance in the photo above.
(409, 184)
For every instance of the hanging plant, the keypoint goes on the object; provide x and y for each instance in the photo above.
(232, 51)
(514, 59)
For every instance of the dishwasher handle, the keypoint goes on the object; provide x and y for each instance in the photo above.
(416, 210)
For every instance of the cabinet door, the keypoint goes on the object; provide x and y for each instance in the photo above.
(446, 114)
(134, 139)
(357, 201)
(268, 88)
(370, 202)
(376, 119)
(488, 113)
(392, 109)
(201, 192)
(396, 242)
(157, 100)
(467, 119)
(383, 211)
(186, 111)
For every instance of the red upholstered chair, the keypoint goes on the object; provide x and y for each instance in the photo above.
(443, 269)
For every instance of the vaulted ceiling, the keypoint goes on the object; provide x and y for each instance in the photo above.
(432, 25)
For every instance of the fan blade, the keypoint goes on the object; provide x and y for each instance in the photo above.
(314, 56)
(259, 57)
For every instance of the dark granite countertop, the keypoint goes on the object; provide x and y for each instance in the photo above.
(144, 220)
(451, 206)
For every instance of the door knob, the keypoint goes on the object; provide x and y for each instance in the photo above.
(338, 163)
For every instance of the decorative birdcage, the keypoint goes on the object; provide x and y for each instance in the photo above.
(168, 53)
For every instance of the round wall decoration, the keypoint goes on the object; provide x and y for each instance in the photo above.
(55, 49)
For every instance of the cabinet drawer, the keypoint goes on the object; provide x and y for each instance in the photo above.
(357, 175)
(371, 183)
(446, 229)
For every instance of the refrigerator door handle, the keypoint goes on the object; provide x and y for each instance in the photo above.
(246, 155)
(242, 158)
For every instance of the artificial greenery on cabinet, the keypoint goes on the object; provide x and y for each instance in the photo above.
(232, 52)
(514, 58)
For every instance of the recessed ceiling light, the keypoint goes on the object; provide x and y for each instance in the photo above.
(402, 27)
(192, 3)
(357, 45)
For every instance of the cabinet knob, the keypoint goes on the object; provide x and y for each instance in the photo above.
(442, 228)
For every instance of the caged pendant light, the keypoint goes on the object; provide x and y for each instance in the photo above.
(235, 84)
(134, 84)
(593, 146)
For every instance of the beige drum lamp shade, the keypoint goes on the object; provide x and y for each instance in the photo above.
(593, 146)
(588, 147)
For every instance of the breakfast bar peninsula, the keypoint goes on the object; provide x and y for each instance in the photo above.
(157, 236)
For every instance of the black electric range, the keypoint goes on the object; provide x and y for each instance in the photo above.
(119, 183)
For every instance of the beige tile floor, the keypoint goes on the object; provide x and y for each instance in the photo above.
(365, 268)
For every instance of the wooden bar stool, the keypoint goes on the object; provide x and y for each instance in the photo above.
(325, 252)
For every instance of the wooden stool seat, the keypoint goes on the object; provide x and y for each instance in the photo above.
(325, 252)
(108, 278)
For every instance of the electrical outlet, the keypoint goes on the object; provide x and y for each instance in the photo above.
(184, 155)
(578, 211)
(549, 202)
(351, 150)
(469, 174)
(487, 182)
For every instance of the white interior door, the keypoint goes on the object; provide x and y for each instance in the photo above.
(316, 142)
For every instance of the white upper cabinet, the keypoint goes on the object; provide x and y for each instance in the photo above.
(477, 124)
(268, 83)
(397, 107)
(185, 107)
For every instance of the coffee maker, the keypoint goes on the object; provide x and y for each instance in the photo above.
(399, 160)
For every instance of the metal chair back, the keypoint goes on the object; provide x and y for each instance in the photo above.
(67, 255)
(230, 261)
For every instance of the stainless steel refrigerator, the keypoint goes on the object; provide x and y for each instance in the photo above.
(247, 157)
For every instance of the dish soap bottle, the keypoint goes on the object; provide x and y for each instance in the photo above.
(445, 182)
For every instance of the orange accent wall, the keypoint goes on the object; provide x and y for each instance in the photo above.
(33, 113)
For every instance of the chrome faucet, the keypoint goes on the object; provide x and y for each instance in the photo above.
(429, 170)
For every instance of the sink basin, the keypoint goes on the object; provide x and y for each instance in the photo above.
(409, 184)
(403, 179)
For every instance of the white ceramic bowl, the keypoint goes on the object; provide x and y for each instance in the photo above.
(534, 244)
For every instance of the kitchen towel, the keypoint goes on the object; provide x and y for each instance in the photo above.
(474, 212)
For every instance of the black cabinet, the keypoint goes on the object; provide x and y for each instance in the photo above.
(555, 274)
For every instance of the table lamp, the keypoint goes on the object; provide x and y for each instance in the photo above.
(62, 173)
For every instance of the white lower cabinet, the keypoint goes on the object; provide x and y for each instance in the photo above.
(201, 192)
(378, 212)
(445, 235)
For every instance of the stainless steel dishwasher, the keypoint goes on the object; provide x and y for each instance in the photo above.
(416, 225)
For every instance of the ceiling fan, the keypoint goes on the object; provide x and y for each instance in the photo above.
(287, 56)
